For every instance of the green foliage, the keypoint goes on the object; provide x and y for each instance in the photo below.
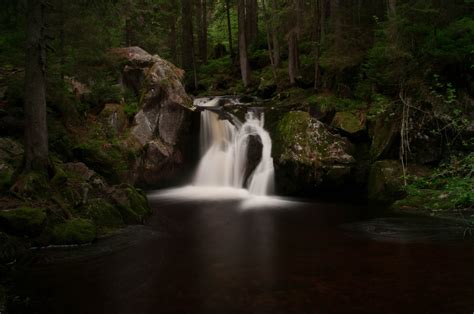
(449, 187)
(23, 220)
(74, 231)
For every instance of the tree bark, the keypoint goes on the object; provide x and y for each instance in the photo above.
(172, 41)
(229, 27)
(251, 20)
(293, 34)
(269, 41)
(187, 46)
(244, 62)
(204, 32)
(36, 130)
(201, 18)
(274, 31)
(187, 35)
(318, 20)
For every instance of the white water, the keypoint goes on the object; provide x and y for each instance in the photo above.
(224, 148)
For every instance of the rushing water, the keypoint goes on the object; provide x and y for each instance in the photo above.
(224, 145)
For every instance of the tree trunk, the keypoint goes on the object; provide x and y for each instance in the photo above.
(187, 35)
(229, 27)
(201, 19)
(203, 49)
(318, 14)
(172, 41)
(292, 56)
(293, 34)
(274, 31)
(244, 62)
(36, 130)
(269, 42)
(251, 20)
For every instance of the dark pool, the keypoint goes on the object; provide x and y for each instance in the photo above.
(219, 256)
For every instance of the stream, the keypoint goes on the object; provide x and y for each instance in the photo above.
(236, 255)
(225, 244)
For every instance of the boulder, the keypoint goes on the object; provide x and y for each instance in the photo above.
(254, 155)
(384, 134)
(131, 202)
(114, 116)
(386, 181)
(350, 122)
(23, 220)
(162, 121)
(74, 231)
(308, 155)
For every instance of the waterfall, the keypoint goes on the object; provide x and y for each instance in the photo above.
(225, 144)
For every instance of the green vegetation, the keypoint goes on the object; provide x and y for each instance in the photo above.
(449, 187)
(74, 231)
(24, 220)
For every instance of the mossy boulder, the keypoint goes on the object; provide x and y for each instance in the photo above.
(74, 231)
(23, 220)
(350, 122)
(6, 175)
(104, 158)
(307, 154)
(114, 116)
(131, 202)
(103, 213)
(386, 181)
(384, 134)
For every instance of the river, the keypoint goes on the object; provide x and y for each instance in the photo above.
(238, 254)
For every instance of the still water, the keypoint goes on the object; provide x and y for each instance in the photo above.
(239, 254)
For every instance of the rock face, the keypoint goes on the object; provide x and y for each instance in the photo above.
(308, 155)
(386, 181)
(254, 155)
(162, 121)
(350, 122)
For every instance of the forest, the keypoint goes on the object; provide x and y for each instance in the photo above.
(219, 156)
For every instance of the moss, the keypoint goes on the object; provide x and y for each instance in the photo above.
(385, 181)
(349, 121)
(23, 220)
(132, 203)
(6, 176)
(74, 231)
(102, 157)
(384, 134)
(102, 213)
(33, 183)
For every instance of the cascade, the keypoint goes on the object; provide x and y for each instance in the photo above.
(224, 147)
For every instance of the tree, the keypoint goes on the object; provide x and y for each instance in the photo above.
(229, 27)
(201, 18)
(243, 57)
(319, 7)
(187, 46)
(36, 131)
(292, 37)
(251, 20)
